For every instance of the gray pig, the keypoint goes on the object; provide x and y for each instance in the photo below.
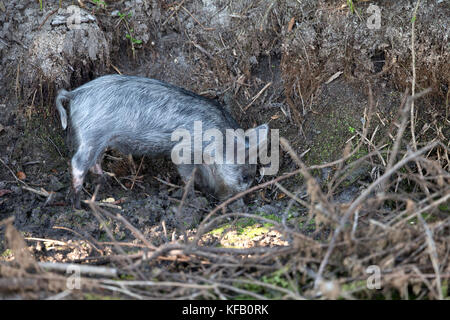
(137, 115)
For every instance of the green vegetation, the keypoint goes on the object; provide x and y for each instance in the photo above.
(274, 280)
(124, 18)
(248, 226)
(127, 277)
(351, 6)
(308, 225)
(7, 253)
(132, 39)
(277, 278)
(100, 3)
(445, 292)
(426, 216)
(242, 229)
(336, 128)
(245, 229)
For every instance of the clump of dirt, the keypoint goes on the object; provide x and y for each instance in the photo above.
(60, 48)
(59, 56)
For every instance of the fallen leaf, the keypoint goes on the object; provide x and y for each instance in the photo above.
(291, 24)
(109, 200)
(21, 175)
(334, 76)
(120, 201)
(261, 194)
(274, 117)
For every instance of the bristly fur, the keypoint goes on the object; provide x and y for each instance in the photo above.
(137, 115)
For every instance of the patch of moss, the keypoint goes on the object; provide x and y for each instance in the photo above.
(273, 217)
(335, 129)
(244, 223)
(252, 231)
(244, 229)
(7, 253)
(444, 207)
(220, 230)
(276, 278)
(308, 226)
(445, 290)
(353, 286)
(103, 237)
(127, 277)
(362, 152)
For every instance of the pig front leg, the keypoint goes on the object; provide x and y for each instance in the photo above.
(77, 185)
(186, 172)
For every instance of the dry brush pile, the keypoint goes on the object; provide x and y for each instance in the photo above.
(399, 223)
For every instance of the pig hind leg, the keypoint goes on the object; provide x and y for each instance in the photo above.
(187, 173)
(97, 167)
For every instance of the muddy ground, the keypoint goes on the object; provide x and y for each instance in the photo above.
(303, 67)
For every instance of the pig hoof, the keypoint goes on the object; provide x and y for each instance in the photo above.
(74, 199)
(100, 180)
(238, 206)
(76, 204)
(103, 181)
